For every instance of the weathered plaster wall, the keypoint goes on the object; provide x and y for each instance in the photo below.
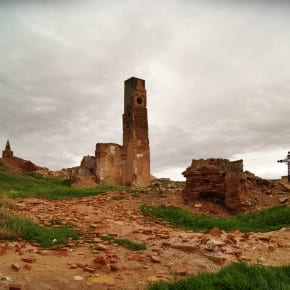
(108, 163)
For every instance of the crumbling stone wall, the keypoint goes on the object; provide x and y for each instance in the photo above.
(108, 163)
(136, 152)
(88, 166)
(217, 179)
(7, 153)
(128, 164)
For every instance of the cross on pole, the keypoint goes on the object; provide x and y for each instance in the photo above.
(286, 160)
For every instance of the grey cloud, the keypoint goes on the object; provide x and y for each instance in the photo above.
(217, 76)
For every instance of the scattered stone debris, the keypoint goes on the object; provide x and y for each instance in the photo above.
(170, 252)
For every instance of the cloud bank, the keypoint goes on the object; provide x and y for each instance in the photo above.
(217, 78)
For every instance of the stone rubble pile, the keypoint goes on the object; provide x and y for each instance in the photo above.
(224, 181)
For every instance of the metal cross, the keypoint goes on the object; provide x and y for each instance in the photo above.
(287, 160)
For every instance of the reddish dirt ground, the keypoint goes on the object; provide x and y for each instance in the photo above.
(92, 263)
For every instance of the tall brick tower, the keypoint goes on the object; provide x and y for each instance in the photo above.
(136, 152)
(7, 153)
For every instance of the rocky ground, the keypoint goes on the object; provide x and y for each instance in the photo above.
(92, 263)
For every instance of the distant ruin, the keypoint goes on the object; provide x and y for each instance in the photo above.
(127, 164)
(7, 153)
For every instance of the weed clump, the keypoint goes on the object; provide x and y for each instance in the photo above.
(265, 221)
(237, 276)
(125, 243)
(14, 186)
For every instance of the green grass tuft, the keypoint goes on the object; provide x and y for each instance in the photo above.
(30, 231)
(125, 243)
(268, 220)
(13, 186)
(237, 276)
(180, 184)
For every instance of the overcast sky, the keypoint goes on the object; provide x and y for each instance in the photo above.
(217, 77)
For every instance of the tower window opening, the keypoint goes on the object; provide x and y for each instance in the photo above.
(139, 100)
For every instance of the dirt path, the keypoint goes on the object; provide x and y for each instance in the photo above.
(96, 264)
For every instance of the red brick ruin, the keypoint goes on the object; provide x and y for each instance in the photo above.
(218, 179)
(223, 181)
(127, 164)
(10, 160)
(7, 153)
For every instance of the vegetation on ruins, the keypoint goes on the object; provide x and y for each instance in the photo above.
(268, 220)
(35, 185)
(14, 227)
(34, 232)
(125, 243)
(14, 186)
(237, 276)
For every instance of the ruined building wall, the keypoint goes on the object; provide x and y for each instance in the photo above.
(108, 163)
(87, 166)
(218, 179)
(136, 150)
(7, 153)
(128, 164)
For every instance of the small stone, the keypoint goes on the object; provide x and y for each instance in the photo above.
(100, 260)
(81, 265)
(3, 249)
(216, 232)
(154, 259)
(15, 267)
(28, 259)
(35, 244)
(181, 272)
(73, 266)
(89, 269)
(139, 258)
(283, 199)
(100, 247)
(246, 259)
(44, 252)
(166, 244)
(217, 259)
(198, 205)
(271, 248)
(14, 287)
(152, 279)
(28, 267)
(106, 279)
(163, 236)
(264, 239)
(114, 267)
(78, 278)
(185, 248)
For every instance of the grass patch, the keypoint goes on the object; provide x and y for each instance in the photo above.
(2, 166)
(30, 231)
(179, 184)
(265, 221)
(237, 276)
(13, 186)
(125, 243)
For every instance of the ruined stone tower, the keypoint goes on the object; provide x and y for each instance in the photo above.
(128, 164)
(7, 153)
(136, 153)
